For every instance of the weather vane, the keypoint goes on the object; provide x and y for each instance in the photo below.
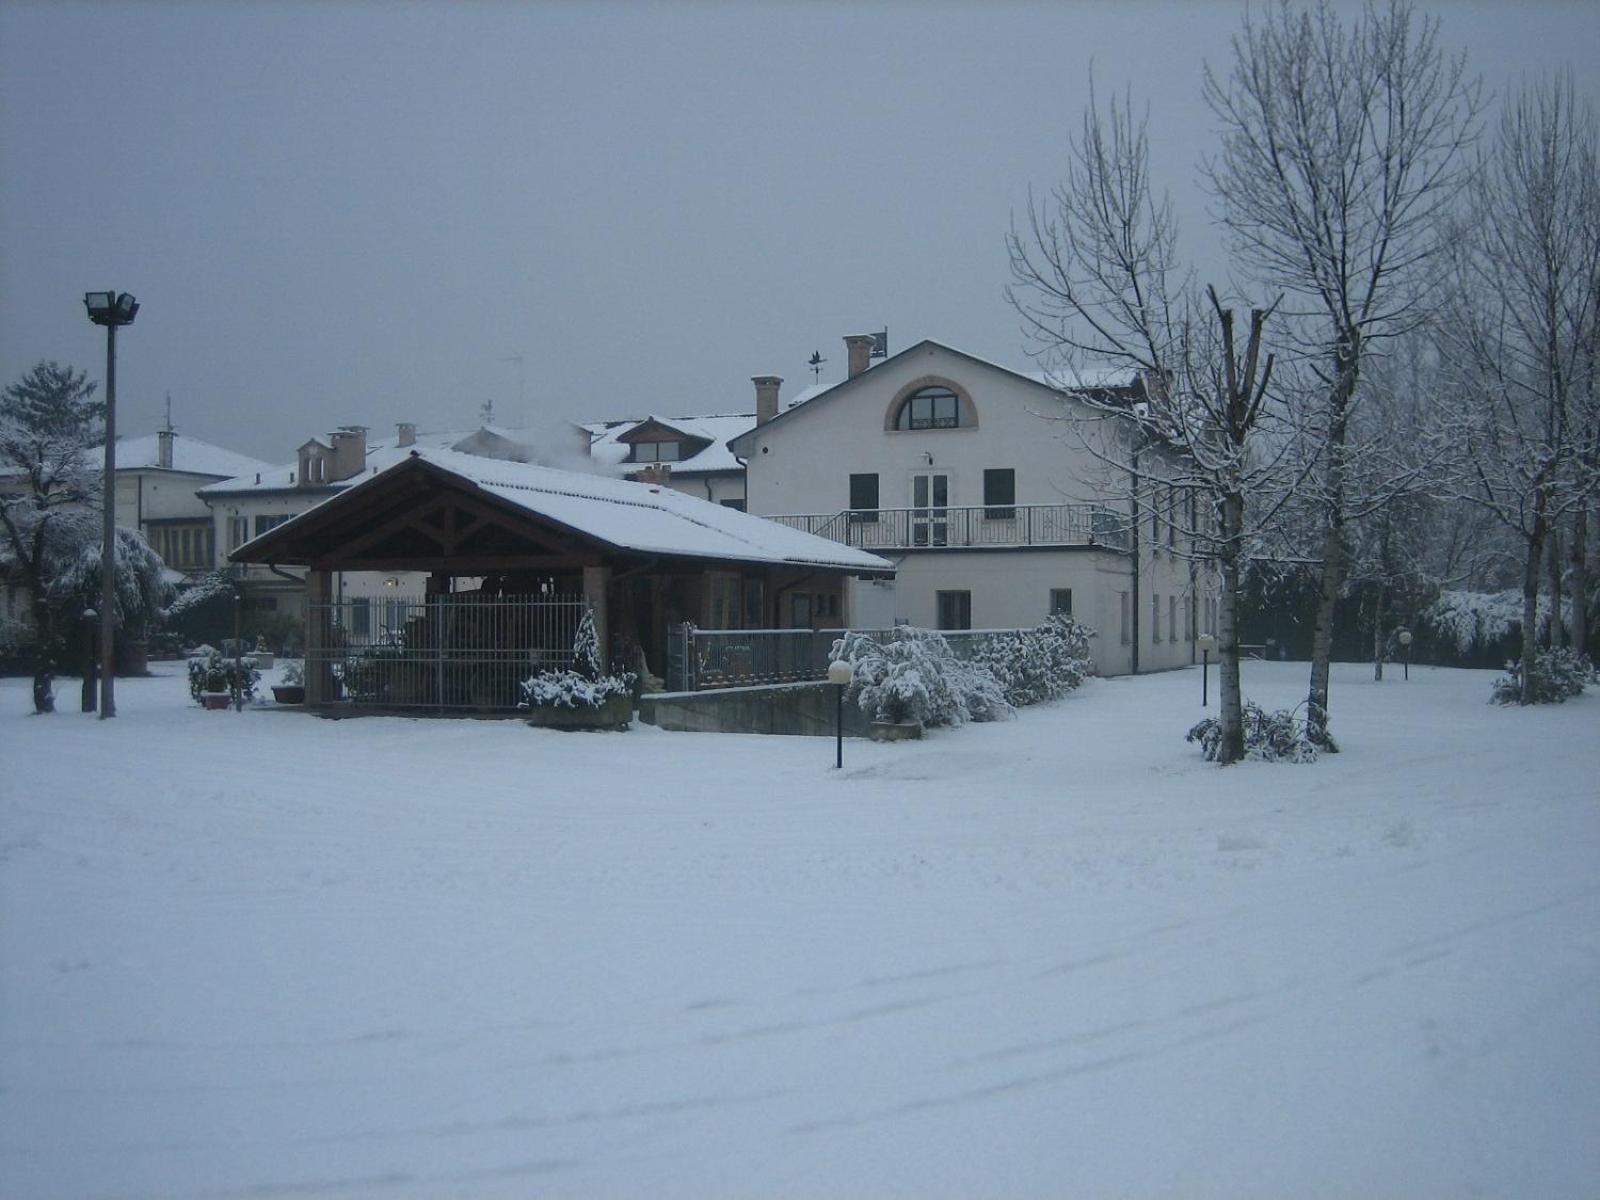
(815, 362)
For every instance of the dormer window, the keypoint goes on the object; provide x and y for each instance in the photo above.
(655, 452)
(930, 408)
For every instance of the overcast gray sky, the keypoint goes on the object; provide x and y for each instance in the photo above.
(359, 212)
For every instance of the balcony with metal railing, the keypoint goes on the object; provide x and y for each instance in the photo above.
(990, 527)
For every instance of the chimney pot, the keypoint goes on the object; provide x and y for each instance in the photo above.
(405, 433)
(766, 397)
(858, 349)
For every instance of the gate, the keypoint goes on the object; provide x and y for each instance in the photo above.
(444, 653)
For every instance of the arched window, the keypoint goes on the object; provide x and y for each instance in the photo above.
(933, 407)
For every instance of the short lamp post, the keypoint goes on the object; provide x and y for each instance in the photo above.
(238, 648)
(113, 310)
(1207, 644)
(839, 673)
(1405, 646)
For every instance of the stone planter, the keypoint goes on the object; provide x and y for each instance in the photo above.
(215, 701)
(289, 693)
(615, 713)
(895, 731)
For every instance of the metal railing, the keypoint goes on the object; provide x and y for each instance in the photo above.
(436, 653)
(990, 526)
(723, 658)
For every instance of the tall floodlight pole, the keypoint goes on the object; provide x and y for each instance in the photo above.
(110, 309)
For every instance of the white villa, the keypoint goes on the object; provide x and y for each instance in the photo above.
(981, 485)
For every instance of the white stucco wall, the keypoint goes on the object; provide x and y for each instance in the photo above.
(803, 464)
(715, 488)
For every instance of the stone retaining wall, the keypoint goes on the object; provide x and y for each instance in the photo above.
(789, 708)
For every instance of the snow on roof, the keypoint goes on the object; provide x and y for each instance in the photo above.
(188, 454)
(644, 518)
(1100, 376)
(381, 453)
(715, 428)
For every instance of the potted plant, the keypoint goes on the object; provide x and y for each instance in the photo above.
(583, 697)
(291, 688)
(215, 679)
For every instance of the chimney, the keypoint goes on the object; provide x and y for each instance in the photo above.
(405, 434)
(164, 448)
(859, 349)
(656, 474)
(766, 397)
(349, 452)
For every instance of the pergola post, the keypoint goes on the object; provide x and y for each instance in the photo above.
(321, 687)
(596, 585)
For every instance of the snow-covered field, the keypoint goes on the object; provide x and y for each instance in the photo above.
(265, 955)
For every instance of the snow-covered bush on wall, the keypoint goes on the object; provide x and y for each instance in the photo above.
(1268, 737)
(913, 675)
(585, 685)
(1036, 665)
(1559, 675)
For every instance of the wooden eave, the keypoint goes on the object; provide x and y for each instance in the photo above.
(418, 517)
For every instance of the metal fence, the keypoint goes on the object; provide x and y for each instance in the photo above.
(700, 659)
(438, 653)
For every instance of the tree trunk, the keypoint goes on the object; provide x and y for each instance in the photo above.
(1230, 695)
(1578, 578)
(1554, 634)
(44, 700)
(1322, 637)
(1346, 362)
(1530, 598)
(1377, 635)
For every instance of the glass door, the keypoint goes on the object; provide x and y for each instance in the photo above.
(930, 497)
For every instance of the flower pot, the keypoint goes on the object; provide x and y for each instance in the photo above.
(615, 713)
(215, 701)
(289, 693)
(895, 731)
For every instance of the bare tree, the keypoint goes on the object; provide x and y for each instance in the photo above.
(1522, 330)
(1096, 275)
(1342, 147)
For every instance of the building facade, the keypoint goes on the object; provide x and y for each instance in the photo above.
(999, 498)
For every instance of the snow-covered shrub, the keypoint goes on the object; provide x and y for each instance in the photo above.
(568, 689)
(1036, 665)
(1558, 676)
(292, 674)
(913, 675)
(585, 685)
(1268, 737)
(214, 672)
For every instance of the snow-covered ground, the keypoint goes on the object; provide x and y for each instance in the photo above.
(265, 955)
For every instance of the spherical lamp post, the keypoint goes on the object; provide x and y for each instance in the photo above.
(111, 309)
(839, 673)
(1405, 645)
(1207, 644)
